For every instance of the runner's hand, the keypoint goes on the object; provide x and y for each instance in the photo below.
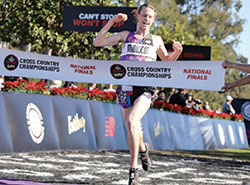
(177, 46)
(227, 64)
(228, 86)
(120, 17)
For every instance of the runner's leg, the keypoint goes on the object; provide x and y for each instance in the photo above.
(125, 113)
(141, 105)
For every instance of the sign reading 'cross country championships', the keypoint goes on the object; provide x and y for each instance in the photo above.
(205, 75)
(93, 18)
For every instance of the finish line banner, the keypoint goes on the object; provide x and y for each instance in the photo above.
(203, 75)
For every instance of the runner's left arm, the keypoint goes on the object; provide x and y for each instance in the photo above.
(162, 51)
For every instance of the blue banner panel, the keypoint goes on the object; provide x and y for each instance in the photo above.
(194, 132)
(241, 136)
(179, 131)
(145, 126)
(232, 137)
(235, 134)
(207, 133)
(109, 126)
(5, 139)
(220, 133)
(31, 122)
(74, 124)
(156, 130)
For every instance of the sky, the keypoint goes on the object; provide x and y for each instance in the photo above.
(244, 45)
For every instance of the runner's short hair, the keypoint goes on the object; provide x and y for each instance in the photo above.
(147, 5)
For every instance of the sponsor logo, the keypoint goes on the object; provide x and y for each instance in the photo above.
(158, 129)
(11, 62)
(245, 110)
(117, 71)
(76, 124)
(35, 123)
(148, 42)
(110, 126)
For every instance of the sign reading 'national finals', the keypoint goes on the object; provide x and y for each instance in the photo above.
(93, 18)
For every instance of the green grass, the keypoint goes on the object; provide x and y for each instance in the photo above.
(242, 155)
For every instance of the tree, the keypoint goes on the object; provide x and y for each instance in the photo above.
(212, 23)
(39, 23)
(206, 20)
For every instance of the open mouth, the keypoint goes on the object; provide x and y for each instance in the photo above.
(146, 23)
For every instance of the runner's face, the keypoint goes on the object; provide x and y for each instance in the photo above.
(146, 18)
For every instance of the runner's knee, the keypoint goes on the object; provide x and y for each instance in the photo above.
(132, 124)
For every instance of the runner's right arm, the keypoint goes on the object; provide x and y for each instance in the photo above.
(103, 40)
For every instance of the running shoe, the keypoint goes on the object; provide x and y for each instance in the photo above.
(145, 160)
(133, 177)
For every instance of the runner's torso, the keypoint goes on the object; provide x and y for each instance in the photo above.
(139, 49)
(135, 49)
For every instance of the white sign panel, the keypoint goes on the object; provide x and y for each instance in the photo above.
(204, 75)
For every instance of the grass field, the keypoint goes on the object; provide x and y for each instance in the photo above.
(242, 155)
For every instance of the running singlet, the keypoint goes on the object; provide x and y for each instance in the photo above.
(138, 49)
(135, 50)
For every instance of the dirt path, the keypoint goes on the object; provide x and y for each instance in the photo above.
(111, 167)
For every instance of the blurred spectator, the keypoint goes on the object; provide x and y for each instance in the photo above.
(179, 98)
(91, 86)
(197, 104)
(69, 84)
(190, 101)
(109, 88)
(227, 106)
(218, 110)
(206, 106)
(170, 94)
(161, 96)
(13, 78)
(53, 83)
(1, 82)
